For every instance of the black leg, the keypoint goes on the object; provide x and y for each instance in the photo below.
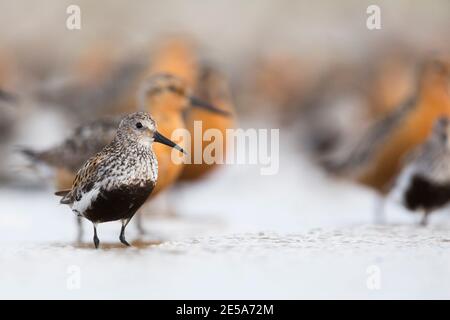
(79, 229)
(122, 232)
(424, 221)
(96, 240)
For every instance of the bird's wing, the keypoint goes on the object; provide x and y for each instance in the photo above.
(87, 140)
(85, 179)
(416, 154)
(369, 144)
(62, 193)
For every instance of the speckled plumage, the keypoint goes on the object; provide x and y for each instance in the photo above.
(114, 183)
(123, 164)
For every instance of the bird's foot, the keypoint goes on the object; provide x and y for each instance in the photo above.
(124, 241)
(96, 242)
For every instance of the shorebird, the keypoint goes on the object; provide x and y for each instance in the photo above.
(377, 158)
(172, 55)
(168, 99)
(68, 156)
(212, 87)
(178, 56)
(390, 77)
(113, 184)
(424, 182)
(333, 114)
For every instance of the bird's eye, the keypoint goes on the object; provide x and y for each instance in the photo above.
(139, 125)
(175, 89)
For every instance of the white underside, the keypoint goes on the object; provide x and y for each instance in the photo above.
(86, 201)
(402, 183)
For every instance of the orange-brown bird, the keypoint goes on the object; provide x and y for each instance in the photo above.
(176, 55)
(212, 87)
(9, 70)
(391, 80)
(168, 99)
(377, 158)
(95, 63)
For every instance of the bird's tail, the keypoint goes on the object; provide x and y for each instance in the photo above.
(64, 194)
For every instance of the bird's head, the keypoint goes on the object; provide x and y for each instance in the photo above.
(167, 92)
(435, 78)
(141, 128)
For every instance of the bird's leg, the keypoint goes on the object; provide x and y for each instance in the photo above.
(122, 231)
(96, 240)
(80, 229)
(380, 216)
(139, 224)
(424, 220)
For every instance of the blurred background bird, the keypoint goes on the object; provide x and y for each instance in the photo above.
(176, 55)
(374, 158)
(432, 101)
(424, 182)
(68, 156)
(8, 116)
(212, 86)
(168, 98)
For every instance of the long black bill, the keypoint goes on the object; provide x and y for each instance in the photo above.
(158, 137)
(196, 102)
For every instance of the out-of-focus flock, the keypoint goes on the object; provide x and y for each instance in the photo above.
(379, 119)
